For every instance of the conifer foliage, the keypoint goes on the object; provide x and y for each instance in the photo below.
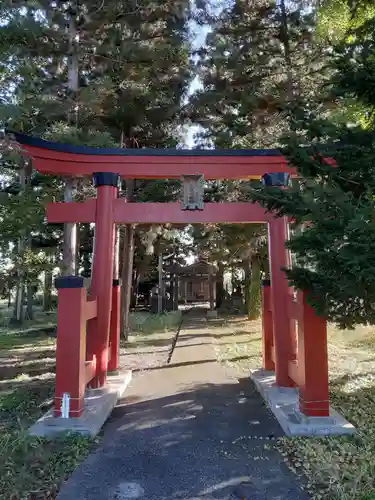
(94, 73)
(334, 204)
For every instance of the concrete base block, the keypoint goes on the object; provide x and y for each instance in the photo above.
(98, 405)
(211, 314)
(283, 402)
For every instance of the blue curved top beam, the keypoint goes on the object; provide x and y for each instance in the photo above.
(37, 142)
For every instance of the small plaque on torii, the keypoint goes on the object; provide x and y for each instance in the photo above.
(192, 190)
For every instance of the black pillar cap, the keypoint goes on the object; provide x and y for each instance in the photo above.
(106, 179)
(116, 282)
(281, 179)
(70, 282)
(266, 282)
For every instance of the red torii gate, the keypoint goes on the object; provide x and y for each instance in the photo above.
(82, 359)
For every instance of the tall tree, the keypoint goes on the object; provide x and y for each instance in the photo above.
(258, 59)
(133, 73)
(335, 203)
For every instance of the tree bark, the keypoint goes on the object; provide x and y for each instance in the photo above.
(127, 274)
(220, 285)
(116, 255)
(18, 311)
(211, 290)
(254, 300)
(247, 270)
(161, 288)
(47, 292)
(284, 36)
(70, 236)
(70, 229)
(30, 301)
(175, 292)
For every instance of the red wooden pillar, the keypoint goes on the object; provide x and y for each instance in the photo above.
(313, 363)
(267, 326)
(102, 271)
(70, 344)
(285, 348)
(114, 335)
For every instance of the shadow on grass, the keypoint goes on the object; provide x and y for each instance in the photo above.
(13, 357)
(367, 343)
(27, 365)
(357, 404)
(142, 353)
(34, 369)
(198, 362)
(22, 340)
(219, 344)
(139, 343)
(220, 336)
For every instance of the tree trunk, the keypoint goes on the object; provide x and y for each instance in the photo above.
(116, 255)
(127, 274)
(247, 270)
(160, 290)
(211, 290)
(70, 229)
(70, 236)
(127, 260)
(220, 286)
(47, 292)
(135, 288)
(18, 311)
(78, 255)
(30, 301)
(175, 292)
(284, 37)
(254, 299)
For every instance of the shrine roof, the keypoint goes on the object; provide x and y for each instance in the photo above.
(198, 269)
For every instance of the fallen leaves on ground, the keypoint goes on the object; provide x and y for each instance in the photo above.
(332, 468)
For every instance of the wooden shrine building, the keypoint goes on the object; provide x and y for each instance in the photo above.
(196, 281)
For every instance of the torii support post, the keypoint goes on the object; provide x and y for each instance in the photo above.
(71, 344)
(102, 272)
(285, 344)
(284, 334)
(267, 327)
(312, 362)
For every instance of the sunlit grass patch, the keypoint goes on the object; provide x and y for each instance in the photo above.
(238, 345)
(343, 468)
(333, 468)
(145, 322)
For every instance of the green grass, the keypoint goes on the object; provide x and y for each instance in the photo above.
(145, 322)
(342, 468)
(237, 337)
(31, 468)
(334, 468)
